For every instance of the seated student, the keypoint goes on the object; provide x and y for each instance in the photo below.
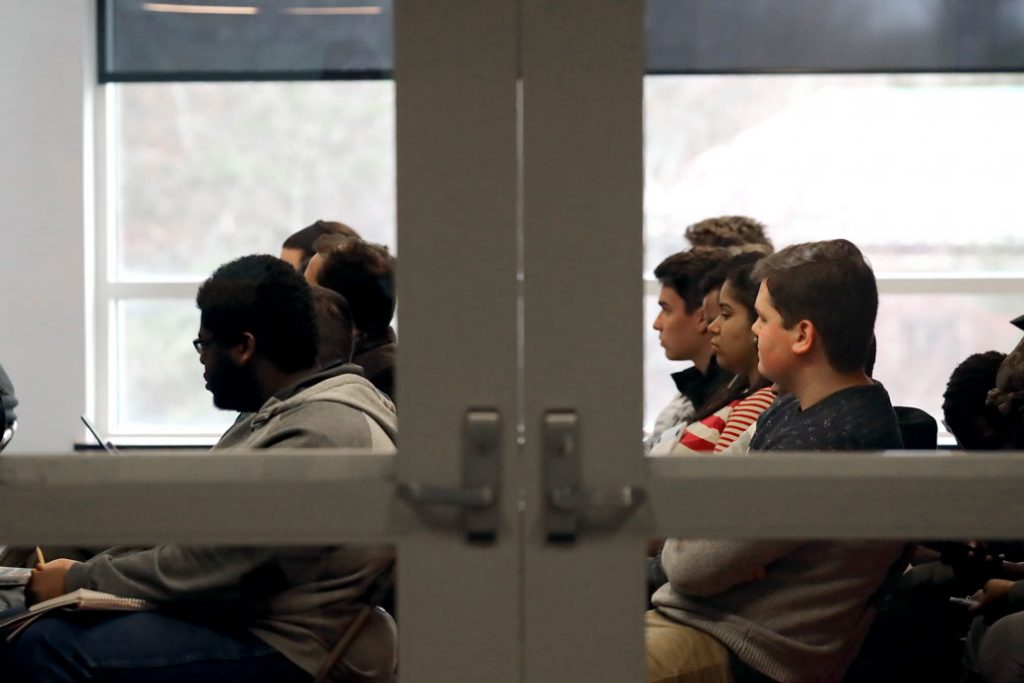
(683, 317)
(363, 273)
(977, 425)
(683, 332)
(725, 421)
(788, 610)
(736, 406)
(233, 613)
(334, 350)
(995, 645)
(299, 248)
(919, 634)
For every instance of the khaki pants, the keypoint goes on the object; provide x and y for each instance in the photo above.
(680, 654)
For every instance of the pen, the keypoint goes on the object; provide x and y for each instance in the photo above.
(39, 555)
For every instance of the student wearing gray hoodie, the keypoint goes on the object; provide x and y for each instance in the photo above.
(235, 613)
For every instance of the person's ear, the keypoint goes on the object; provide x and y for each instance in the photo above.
(804, 336)
(702, 321)
(243, 352)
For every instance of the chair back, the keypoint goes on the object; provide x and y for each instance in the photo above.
(919, 430)
(375, 659)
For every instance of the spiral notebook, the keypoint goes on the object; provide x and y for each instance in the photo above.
(13, 621)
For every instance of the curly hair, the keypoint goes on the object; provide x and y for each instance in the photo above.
(964, 409)
(729, 231)
(264, 296)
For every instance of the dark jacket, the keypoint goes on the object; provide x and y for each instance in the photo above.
(377, 355)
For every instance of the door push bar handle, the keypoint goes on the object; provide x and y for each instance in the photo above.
(567, 501)
(573, 500)
(423, 494)
(477, 498)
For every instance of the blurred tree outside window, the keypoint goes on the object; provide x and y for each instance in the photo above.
(920, 171)
(205, 173)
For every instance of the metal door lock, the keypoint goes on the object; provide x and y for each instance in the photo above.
(477, 498)
(567, 501)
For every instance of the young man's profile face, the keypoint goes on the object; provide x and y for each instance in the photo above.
(682, 334)
(774, 342)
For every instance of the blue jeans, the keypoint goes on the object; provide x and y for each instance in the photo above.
(141, 647)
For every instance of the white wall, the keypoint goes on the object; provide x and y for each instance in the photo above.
(47, 76)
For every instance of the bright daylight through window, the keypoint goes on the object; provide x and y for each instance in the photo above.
(920, 171)
(916, 169)
(206, 172)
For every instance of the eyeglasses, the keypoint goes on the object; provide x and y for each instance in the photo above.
(201, 344)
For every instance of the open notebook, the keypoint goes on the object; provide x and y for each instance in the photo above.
(13, 621)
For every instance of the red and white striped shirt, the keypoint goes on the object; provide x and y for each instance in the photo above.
(744, 413)
(718, 431)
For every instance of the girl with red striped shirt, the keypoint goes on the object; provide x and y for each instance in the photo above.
(732, 410)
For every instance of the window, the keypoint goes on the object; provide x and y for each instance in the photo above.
(203, 173)
(919, 171)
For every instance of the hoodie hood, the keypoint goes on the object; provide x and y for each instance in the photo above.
(296, 415)
(343, 384)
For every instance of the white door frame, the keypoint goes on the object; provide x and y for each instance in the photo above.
(455, 67)
(521, 608)
(583, 67)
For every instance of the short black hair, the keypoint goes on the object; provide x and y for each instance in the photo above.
(264, 296)
(975, 424)
(685, 271)
(363, 273)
